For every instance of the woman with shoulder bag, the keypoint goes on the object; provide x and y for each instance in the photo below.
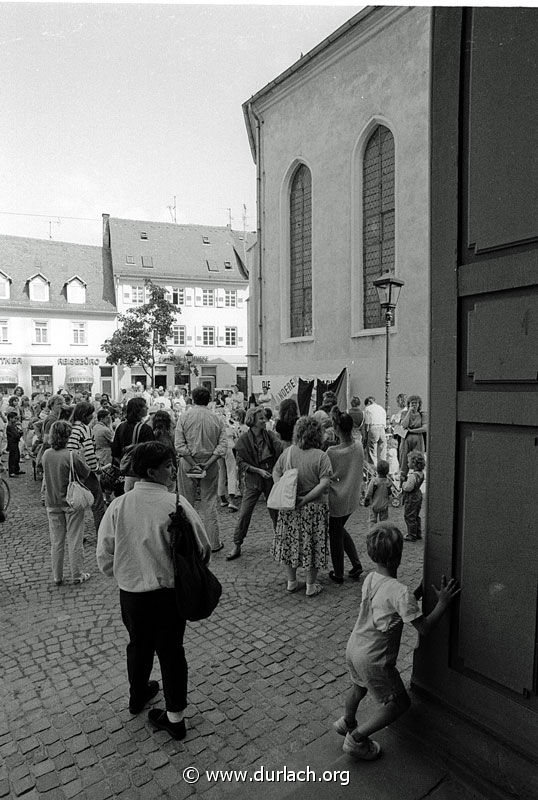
(66, 524)
(301, 533)
(81, 439)
(135, 413)
(134, 547)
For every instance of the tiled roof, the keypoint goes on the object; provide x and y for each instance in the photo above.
(22, 257)
(178, 251)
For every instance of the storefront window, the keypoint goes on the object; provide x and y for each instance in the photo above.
(42, 379)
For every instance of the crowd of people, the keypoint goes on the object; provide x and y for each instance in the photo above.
(140, 456)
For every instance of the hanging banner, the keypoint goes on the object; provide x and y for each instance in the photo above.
(271, 390)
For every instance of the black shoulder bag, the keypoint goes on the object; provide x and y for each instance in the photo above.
(197, 590)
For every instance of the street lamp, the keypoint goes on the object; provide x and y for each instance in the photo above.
(188, 358)
(388, 291)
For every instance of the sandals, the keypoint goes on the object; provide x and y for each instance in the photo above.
(316, 589)
(367, 750)
(82, 578)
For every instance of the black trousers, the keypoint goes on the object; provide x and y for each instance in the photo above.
(154, 626)
(340, 541)
(14, 458)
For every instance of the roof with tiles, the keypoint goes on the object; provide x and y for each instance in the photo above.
(162, 250)
(22, 258)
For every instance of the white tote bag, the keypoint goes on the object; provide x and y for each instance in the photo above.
(283, 495)
(77, 496)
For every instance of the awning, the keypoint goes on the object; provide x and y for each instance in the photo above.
(80, 374)
(9, 375)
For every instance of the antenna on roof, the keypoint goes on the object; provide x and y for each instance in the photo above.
(229, 210)
(172, 210)
(57, 221)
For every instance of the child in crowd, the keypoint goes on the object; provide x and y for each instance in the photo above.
(269, 421)
(392, 458)
(378, 493)
(14, 434)
(374, 644)
(412, 496)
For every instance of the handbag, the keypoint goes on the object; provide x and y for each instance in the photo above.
(283, 495)
(109, 477)
(197, 590)
(126, 466)
(77, 496)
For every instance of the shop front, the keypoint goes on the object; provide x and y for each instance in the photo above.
(9, 375)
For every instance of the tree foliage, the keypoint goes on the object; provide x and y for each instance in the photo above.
(143, 333)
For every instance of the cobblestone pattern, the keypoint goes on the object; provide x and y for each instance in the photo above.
(267, 672)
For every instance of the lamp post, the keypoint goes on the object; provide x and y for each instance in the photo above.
(388, 291)
(188, 358)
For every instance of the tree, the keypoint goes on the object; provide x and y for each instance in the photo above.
(143, 333)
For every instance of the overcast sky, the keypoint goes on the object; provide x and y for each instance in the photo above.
(117, 108)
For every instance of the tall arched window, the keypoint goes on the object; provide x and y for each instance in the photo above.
(301, 253)
(378, 218)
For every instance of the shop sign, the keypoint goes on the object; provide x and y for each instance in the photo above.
(79, 362)
(10, 360)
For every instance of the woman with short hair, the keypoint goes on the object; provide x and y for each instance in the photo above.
(66, 524)
(135, 412)
(301, 534)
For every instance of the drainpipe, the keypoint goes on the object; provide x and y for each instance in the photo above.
(259, 237)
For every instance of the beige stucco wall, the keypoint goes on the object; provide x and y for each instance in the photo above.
(378, 73)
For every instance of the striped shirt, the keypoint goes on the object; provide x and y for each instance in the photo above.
(81, 439)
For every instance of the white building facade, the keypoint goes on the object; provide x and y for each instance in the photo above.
(341, 145)
(56, 307)
(203, 270)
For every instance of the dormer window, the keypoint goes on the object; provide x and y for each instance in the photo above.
(143, 235)
(147, 261)
(227, 265)
(205, 240)
(39, 288)
(5, 286)
(76, 290)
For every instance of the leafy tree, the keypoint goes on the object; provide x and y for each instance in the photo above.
(143, 333)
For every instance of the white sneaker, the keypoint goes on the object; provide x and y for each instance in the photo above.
(367, 750)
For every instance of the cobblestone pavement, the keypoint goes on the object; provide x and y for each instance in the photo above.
(267, 670)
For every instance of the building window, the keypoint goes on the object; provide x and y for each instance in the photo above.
(301, 253)
(79, 333)
(147, 261)
(205, 240)
(41, 378)
(4, 331)
(179, 336)
(208, 297)
(41, 332)
(230, 337)
(4, 287)
(227, 265)
(212, 265)
(137, 295)
(178, 297)
(39, 290)
(378, 219)
(230, 298)
(143, 235)
(208, 336)
(76, 291)
(129, 259)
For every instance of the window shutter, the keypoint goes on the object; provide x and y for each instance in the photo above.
(220, 298)
(240, 300)
(126, 294)
(198, 334)
(188, 297)
(220, 334)
(239, 340)
(197, 297)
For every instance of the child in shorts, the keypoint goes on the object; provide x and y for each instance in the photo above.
(373, 646)
(378, 493)
(412, 495)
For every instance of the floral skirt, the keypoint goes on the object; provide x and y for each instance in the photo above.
(301, 537)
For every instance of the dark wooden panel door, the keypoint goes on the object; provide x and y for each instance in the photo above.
(483, 455)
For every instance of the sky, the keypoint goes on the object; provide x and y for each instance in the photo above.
(117, 108)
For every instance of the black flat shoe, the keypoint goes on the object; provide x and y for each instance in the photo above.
(235, 552)
(356, 572)
(335, 578)
(135, 707)
(159, 719)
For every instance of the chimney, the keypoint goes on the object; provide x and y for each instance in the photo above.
(106, 231)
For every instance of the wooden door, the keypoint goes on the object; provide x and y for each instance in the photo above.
(482, 510)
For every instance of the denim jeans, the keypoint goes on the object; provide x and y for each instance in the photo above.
(98, 509)
(208, 498)
(255, 485)
(66, 525)
(412, 505)
(154, 626)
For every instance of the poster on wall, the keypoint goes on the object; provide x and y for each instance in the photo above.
(307, 391)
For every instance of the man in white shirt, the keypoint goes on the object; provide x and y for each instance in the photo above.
(375, 422)
(162, 400)
(200, 441)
